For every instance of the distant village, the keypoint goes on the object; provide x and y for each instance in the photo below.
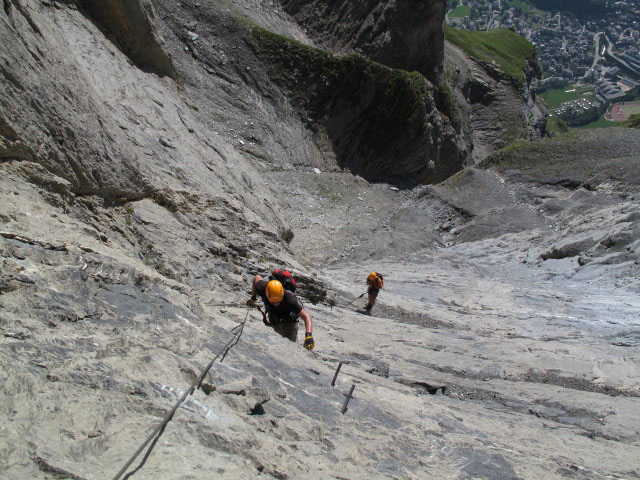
(602, 53)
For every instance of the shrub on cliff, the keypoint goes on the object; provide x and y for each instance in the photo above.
(633, 121)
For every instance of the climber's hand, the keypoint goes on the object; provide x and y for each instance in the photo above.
(308, 341)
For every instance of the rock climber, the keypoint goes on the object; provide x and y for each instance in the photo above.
(375, 281)
(282, 310)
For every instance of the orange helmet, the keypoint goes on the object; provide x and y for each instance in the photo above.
(275, 291)
(372, 277)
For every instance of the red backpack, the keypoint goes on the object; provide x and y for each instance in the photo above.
(285, 277)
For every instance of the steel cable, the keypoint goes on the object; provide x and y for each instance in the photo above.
(159, 430)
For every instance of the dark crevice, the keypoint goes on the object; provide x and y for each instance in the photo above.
(240, 393)
(56, 472)
(9, 76)
(572, 184)
(29, 241)
(208, 388)
(257, 410)
(27, 17)
(464, 213)
(422, 387)
(549, 377)
(551, 411)
(129, 24)
(119, 199)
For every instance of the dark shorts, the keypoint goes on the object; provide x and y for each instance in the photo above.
(287, 330)
(373, 291)
(287, 327)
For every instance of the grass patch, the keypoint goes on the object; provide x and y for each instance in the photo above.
(555, 97)
(319, 80)
(460, 11)
(444, 100)
(600, 123)
(505, 48)
(630, 109)
(557, 126)
(585, 158)
(587, 89)
(325, 192)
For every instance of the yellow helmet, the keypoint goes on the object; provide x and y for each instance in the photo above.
(372, 277)
(275, 291)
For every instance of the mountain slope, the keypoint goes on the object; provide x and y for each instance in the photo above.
(493, 78)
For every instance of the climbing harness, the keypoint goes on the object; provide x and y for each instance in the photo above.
(159, 430)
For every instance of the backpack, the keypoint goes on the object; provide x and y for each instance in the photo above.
(379, 281)
(285, 277)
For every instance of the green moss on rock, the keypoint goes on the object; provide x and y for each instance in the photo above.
(321, 80)
(557, 126)
(380, 120)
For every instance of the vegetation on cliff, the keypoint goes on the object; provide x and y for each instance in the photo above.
(633, 121)
(380, 120)
(503, 48)
(562, 160)
(319, 80)
(556, 126)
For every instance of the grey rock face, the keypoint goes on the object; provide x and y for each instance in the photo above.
(342, 112)
(493, 113)
(132, 24)
(69, 131)
(399, 34)
(535, 111)
(382, 124)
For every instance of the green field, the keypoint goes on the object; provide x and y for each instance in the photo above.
(506, 48)
(600, 123)
(556, 96)
(523, 6)
(460, 11)
(630, 109)
(528, 11)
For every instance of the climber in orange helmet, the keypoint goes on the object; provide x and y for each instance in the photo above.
(375, 281)
(282, 310)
